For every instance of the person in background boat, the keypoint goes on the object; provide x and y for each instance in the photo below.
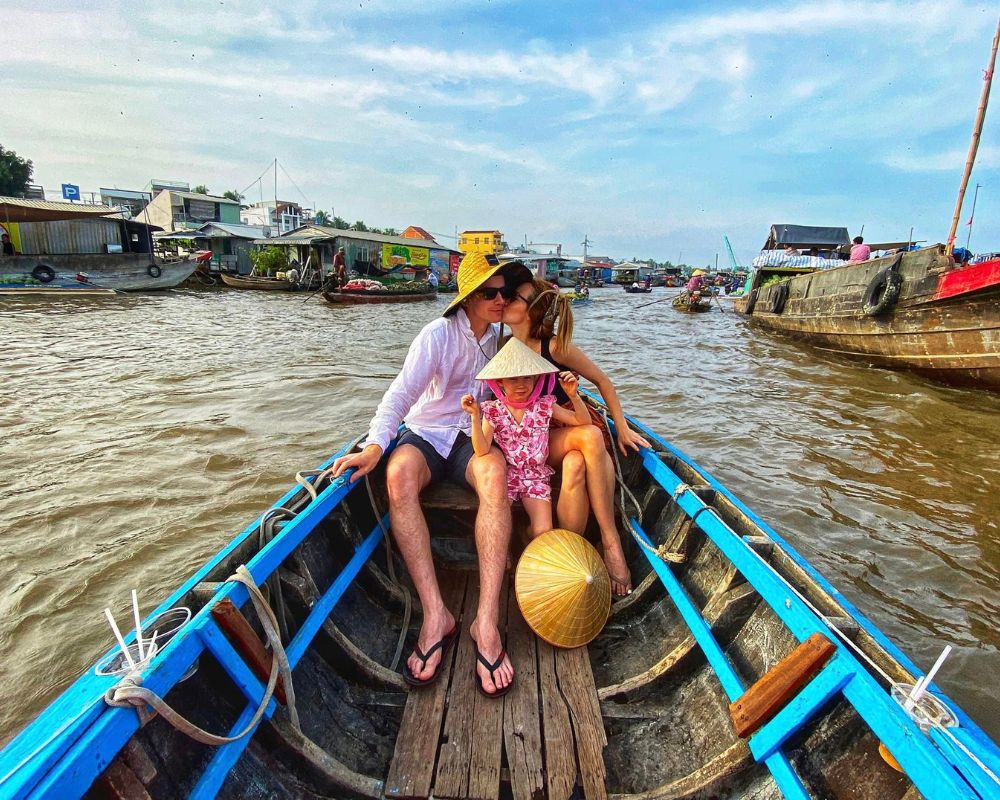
(432, 279)
(697, 281)
(292, 276)
(859, 251)
(648, 283)
(635, 285)
(588, 472)
(439, 369)
(791, 251)
(518, 421)
(8, 246)
(339, 268)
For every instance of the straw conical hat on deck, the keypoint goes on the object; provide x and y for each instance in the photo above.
(563, 588)
(514, 360)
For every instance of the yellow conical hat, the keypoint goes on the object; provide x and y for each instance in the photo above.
(514, 360)
(563, 588)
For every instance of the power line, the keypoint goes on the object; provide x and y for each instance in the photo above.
(259, 177)
(303, 194)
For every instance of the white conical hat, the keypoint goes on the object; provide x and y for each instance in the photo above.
(514, 360)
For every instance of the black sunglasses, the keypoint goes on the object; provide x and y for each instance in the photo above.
(491, 292)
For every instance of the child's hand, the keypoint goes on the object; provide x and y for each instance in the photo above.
(569, 383)
(469, 405)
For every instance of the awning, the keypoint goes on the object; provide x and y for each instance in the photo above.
(180, 235)
(14, 209)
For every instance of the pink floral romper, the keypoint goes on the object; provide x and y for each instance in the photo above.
(525, 446)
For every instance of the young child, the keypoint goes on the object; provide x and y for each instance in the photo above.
(519, 423)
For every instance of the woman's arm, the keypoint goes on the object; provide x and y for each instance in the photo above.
(578, 361)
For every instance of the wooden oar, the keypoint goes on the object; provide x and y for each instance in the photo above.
(668, 297)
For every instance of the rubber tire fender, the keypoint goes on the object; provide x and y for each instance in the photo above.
(780, 298)
(882, 293)
(154, 271)
(43, 273)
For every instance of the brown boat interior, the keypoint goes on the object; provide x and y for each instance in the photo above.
(639, 713)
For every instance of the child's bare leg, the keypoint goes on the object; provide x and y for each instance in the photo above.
(539, 514)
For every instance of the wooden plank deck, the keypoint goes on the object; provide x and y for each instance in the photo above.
(544, 738)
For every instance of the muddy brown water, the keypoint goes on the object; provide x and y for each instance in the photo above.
(141, 433)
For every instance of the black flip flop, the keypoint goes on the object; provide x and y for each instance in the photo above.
(492, 668)
(443, 644)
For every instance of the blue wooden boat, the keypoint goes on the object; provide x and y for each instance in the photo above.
(723, 614)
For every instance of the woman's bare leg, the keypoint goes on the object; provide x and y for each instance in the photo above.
(600, 470)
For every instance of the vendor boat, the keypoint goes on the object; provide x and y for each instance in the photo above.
(915, 310)
(733, 670)
(693, 302)
(638, 289)
(361, 296)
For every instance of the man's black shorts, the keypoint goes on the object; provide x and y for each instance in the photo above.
(453, 467)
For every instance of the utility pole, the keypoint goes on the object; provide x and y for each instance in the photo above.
(586, 242)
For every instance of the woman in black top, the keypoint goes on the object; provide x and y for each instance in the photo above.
(588, 473)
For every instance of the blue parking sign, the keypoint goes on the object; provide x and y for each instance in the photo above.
(71, 192)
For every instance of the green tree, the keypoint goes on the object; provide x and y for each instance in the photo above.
(229, 194)
(321, 218)
(341, 223)
(359, 226)
(390, 232)
(15, 173)
(269, 260)
(200, 189)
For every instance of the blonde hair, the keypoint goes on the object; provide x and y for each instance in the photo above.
(549, 306)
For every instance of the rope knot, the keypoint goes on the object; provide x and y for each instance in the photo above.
(681, 488)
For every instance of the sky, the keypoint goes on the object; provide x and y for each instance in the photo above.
(653, 129)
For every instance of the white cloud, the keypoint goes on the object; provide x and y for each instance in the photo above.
(947, 160)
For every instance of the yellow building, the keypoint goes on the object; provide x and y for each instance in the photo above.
(480, 242)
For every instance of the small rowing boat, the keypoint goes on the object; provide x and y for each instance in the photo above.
(733, 670)
(693, 303)
(255, 282)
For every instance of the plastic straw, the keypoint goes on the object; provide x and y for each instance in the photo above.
(138, 626)
(921, 687)
(118, 636)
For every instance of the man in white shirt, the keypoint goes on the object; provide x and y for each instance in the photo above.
(439, 369)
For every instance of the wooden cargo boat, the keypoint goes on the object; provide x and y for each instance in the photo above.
(349, 297)
(646, 711)
(122, 272)
(684, 302)
(255, 282)
(638, 289)
(915, 310)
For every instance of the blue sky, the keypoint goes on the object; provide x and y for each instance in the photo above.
(652, 128)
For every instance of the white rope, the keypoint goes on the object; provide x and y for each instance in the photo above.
(130, 691)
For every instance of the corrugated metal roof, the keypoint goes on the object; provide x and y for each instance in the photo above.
(368, 236)
(192, 196)
(240, 231)
(16, 209)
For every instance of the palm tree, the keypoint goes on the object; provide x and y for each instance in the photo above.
(321, 218)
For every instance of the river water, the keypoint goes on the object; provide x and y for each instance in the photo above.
(141, 433)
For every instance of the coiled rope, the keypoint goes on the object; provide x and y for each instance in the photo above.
(130, 691)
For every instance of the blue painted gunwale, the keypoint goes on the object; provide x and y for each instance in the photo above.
(60, 737)
(917, 753)
(974, 732)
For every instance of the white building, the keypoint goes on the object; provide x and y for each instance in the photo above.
(281, 216)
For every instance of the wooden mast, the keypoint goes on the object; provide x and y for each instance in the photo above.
(974, 145)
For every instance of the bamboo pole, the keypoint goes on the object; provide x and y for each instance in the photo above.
(977, 130)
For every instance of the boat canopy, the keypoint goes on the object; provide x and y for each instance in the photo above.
(15, 209)
(806, 236)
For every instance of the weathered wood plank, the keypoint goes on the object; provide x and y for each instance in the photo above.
(247, 643)
(576, 681)
(771, 693)
(487, 733)
(412, 767)
(452, 777)
(560, 759)
(522, 724)
(119, 783)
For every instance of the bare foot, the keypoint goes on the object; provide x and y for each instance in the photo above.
(487, 639)
(433, 630)
(621, 578)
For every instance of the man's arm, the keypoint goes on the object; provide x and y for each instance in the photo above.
(415, 376)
